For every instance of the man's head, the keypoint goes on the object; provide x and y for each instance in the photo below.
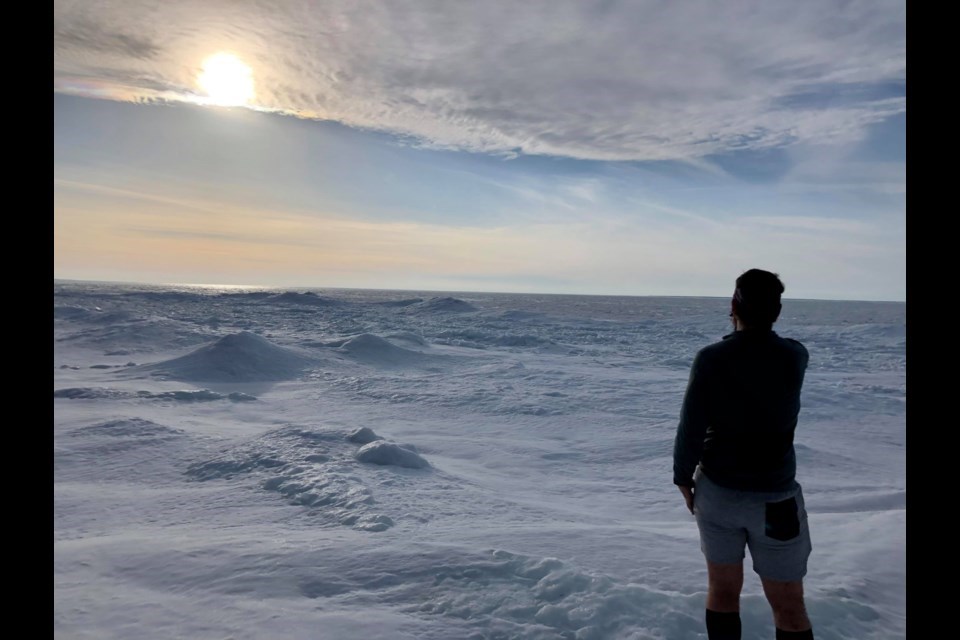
(756, 300)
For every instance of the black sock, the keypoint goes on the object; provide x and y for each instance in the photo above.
(723, 625)
(794, 635)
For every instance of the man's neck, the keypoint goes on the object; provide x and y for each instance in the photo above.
(738, 325)
(742, 327)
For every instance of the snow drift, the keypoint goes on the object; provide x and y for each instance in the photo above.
(241, 357)
(388, 453)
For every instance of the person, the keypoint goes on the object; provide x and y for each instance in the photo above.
(735, 464)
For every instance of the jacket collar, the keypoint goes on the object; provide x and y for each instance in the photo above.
(749, 334)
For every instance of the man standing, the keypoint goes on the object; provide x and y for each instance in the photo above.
(734, 462)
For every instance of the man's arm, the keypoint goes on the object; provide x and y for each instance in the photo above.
(687, 497)
(692, 429)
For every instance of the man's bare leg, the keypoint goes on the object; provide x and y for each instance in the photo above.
(723, 600)
(725, 584)
(786, 600)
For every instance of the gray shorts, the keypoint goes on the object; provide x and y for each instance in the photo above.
(773, 525)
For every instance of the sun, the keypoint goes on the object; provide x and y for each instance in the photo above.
(226, 80)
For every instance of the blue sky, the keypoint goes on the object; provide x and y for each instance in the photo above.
(641, 148)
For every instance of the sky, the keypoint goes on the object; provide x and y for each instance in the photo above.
(562, 146)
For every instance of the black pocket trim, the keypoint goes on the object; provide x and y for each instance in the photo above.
(782, 520)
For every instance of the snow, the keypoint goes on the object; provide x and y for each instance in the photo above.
(388, 453)
(363, 435)
(240, 357)
(372, 349)
(253, 464)
(307, 298)
(444, 304)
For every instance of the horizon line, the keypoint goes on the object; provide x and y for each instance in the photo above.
(466, 291)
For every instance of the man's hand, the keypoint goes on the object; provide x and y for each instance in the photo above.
(688, 496)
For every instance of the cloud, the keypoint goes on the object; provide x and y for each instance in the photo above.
(813, 223)
(607, 81)
(84, 35)
(222, 240)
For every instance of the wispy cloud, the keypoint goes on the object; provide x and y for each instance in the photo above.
(638, 80)
(189, 238)
(812, 223)
(85, 34)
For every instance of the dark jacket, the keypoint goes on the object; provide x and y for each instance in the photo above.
(740, 412)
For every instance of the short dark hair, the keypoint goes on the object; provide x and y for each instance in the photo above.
(756, 300)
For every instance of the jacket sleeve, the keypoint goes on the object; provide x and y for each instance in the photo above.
(692, 429)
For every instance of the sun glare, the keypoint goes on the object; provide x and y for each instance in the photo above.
(227, 80)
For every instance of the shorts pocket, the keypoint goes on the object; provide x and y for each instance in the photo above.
(782, 520)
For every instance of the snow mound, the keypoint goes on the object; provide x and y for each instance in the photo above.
(388, 453)
(196, 395)
(309, 468)
(408, 337)
(231, 464)
(240, 357)
(89, 393)
(119, 449)
(309, 299)
(399, 303)
(363, 435)
(129, 428)
(372, 349)
(444, 305)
